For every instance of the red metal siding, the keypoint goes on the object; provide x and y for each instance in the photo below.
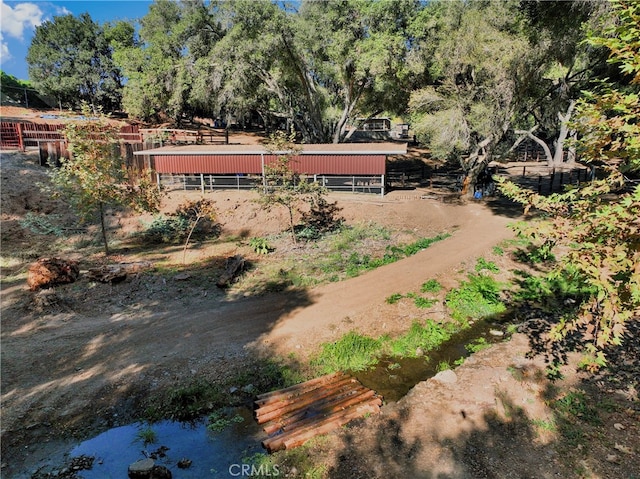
(215, 164)
(252, 164)
(341, 164)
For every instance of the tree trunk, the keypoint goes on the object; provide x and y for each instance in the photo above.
(476, 161)
(558, 157)
(103, 228)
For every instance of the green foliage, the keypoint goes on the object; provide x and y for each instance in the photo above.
(283, 186)
(166, 229)
(321, 218)
(70, 59)
(195, 217)
(188, 402)
(352, 352)
(477, 344)
(260, 245)
(477, 298)
(220, 419)
(426, 336)
(421, 302)
(431, 286)
(41, 224)
(575, 405)
(394, 298)
(146, 436)
(20, 92)
(597, 223)
(482, 264)
(95, 177)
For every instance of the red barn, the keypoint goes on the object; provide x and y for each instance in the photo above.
(352, 167)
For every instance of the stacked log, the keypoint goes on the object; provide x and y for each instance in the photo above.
(296, 414)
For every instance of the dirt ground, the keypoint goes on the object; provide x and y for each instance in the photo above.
(74, 357)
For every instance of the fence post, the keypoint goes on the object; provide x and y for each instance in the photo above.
(20, 139)
(524, 171)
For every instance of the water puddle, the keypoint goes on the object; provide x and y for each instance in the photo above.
(394, 377)
(212, 454)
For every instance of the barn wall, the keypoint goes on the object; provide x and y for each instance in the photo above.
(252, 164)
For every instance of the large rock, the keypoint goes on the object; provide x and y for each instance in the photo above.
(147, 469)
(141, 469)
(47, 272)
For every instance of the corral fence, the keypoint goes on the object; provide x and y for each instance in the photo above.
(533, 175)
(209, 182)
(15, 135)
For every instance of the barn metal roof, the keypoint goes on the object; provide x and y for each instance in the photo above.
(311, 149)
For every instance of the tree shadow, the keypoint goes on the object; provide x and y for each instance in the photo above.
(504, 442)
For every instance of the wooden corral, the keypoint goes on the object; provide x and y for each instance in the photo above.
(293, 415)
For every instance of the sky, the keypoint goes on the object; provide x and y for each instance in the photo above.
(18, 20)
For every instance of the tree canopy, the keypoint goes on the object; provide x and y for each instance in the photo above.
(472, 77)
(70, 59)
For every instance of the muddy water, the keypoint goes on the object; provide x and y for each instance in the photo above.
(393, 377)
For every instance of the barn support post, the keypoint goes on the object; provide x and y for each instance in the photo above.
(202, 183)
(382, 185)
(264, 177)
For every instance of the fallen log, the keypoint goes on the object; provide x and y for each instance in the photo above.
(114, 273)
(233, 267)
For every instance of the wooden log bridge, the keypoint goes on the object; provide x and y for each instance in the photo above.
(293, 415)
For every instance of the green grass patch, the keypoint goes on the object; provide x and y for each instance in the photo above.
(477, 344)
(477, 298)
(482, 265)
(352, 352)
(423, 336)
(394, 298)
(431, 286)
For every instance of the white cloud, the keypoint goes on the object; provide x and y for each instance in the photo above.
(18, 18)
(4, 49)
